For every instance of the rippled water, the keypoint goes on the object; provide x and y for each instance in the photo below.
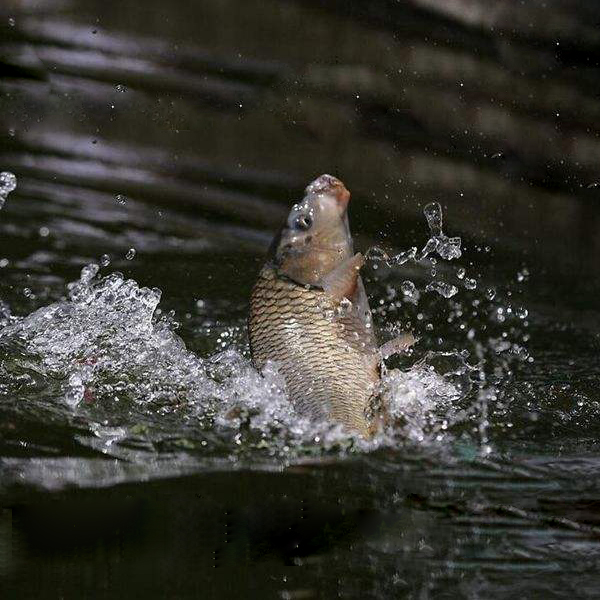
(153, 160)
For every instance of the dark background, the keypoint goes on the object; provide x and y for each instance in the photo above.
(229, 108)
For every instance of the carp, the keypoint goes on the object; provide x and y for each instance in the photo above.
(309, 314)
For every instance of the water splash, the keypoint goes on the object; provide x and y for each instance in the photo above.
(444, 289)
(376, 253)
(423, 401)
(8, 183)
(409, 289)
(483, 329)
(448, 248)
(111, 358)
(105, 340)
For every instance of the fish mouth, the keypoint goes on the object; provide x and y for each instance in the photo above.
(330, 185)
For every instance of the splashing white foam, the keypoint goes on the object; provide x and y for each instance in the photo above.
(8, 183)
(109, 351)
(105, 342)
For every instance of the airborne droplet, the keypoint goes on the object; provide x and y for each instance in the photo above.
(446, 290)
(433, 214)
(408, 288)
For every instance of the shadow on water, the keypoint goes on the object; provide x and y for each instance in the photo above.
(168, 142)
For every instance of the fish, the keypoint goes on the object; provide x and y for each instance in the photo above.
(309, 315)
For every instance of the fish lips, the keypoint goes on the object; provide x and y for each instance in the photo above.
(331, 186)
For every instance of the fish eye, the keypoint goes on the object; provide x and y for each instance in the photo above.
(303, 222)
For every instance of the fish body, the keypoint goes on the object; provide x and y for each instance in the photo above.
(325, 353)
(309, 313)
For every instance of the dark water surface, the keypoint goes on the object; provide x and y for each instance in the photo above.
(140, 454)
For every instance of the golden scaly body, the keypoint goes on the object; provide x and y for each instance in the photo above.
(327, 356)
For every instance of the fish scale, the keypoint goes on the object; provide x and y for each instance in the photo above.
(327, 357)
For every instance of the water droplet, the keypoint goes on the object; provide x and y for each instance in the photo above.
(105, 260)
(449, 248)
(408, 288)
(433, 214)
(461, 272)
(121, 199)
(11, 21)
(130, 254)
(120, 88)
(490, 293)
(345, 304)
(521, 312)
(470, 284)
(403, 257)
(431, 246)
(44, 232)
(89, 272)
(446, 290)
(376, 253)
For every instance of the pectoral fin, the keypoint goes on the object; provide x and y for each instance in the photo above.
(397, 345)
(342, 281)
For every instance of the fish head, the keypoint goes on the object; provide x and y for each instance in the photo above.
(315, 237)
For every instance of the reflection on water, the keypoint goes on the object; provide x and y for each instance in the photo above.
(136, 441)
